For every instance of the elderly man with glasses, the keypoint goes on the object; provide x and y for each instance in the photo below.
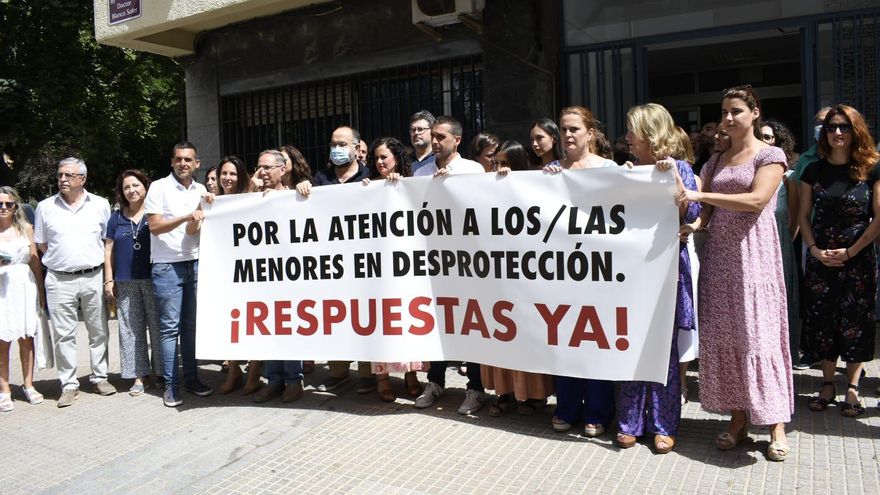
(69, 229)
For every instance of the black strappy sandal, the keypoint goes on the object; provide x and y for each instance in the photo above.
(852, 410)
(818, 403)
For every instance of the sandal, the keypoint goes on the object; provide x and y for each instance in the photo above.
(413, 387)
(383, 388)
(502, 405)
(849, 409)
(726, 441)
(819, 403)
(6, 404)
(31, 394)
(136, 389)
(778, 451)
(625, 441)
(663, 444)
(592, 430)
(559, 424)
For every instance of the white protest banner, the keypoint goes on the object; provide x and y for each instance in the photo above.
(569, 274)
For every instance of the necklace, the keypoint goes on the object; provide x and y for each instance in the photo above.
(135, 231)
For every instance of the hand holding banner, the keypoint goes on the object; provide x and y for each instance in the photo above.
(571, 274)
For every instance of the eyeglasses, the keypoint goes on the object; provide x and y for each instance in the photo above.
(418, 130)
(843, 128)
(65, 175)
(267, 167)
(768, 137)
(7, 205)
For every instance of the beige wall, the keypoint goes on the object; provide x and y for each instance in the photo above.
(169, 27)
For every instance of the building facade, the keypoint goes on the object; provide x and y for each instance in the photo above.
(262, 73)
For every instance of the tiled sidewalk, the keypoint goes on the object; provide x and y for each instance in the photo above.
(356, 444)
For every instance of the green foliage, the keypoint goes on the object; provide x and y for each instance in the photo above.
(61, 94)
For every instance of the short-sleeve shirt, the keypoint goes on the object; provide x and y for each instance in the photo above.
(835, 179)
(458, 165)
(327, 176)
(74, 236)
(129, 263)
(168, 198)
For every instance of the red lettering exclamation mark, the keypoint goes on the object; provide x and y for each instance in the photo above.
(622, 343)
(235, 315)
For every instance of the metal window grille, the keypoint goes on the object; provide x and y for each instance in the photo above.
(377, 103)
(855, 52)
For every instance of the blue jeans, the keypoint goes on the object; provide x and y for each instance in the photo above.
(174, 285)
(286, 372)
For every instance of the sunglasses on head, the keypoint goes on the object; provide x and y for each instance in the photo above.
(843, 128)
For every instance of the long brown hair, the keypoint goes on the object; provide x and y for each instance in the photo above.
(862, 154)
(299, 167)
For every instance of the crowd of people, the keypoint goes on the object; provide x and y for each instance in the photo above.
(749, 210)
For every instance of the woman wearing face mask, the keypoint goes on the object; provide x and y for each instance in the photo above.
(23, 297)
(645, 407)
(387, 160)
(840, 218)
(745, 365)
(127, 279)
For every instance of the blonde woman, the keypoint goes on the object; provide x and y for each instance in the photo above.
(21, 295)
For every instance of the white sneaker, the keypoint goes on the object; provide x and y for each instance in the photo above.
(431, 393)
(473, 401)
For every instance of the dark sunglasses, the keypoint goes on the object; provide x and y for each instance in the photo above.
(7, 204)
(843, 128)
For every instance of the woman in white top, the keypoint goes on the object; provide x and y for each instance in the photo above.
(21, 295)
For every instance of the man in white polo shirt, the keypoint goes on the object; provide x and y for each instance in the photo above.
(445, 138)
(174, 216)
(69, 228)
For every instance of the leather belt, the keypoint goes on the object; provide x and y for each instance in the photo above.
(80, 272)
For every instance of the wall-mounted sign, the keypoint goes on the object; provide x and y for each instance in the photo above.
(124, 10)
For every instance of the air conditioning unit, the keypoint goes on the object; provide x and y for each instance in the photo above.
(436, 13)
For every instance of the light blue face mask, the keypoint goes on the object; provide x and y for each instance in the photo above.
(816, 131)
(340, 155)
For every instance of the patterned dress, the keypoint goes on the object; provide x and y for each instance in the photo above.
(840, 301)
(651, 406)
(745, 363)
